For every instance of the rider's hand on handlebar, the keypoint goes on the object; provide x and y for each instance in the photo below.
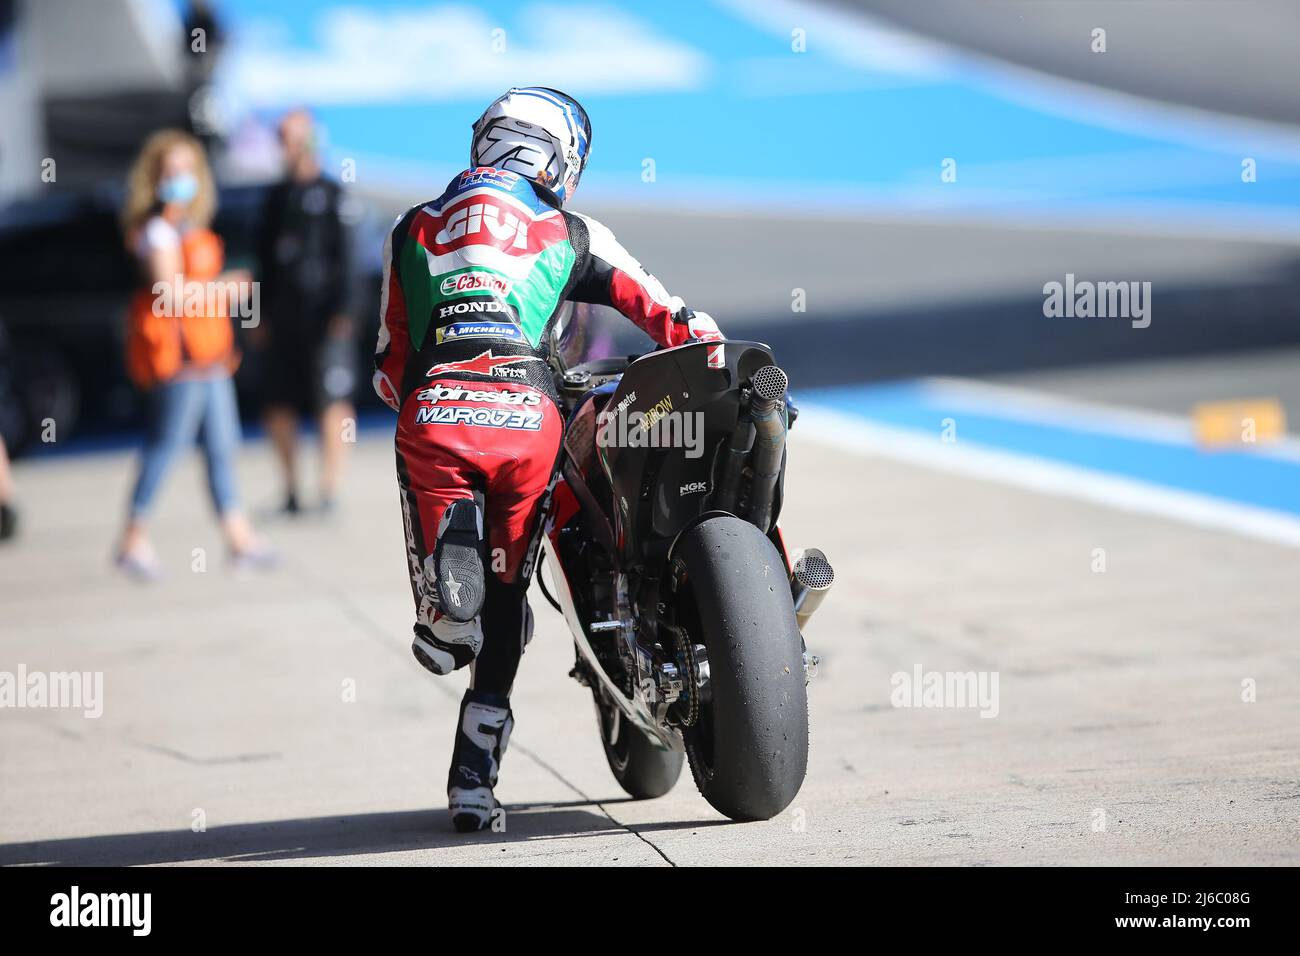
(702, 328)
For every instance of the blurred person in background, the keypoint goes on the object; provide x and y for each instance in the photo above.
(8, 403)
(184, 356)
(8, 517)
(307, 335)
(204, 40)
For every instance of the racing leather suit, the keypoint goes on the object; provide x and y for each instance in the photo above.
(473, 280)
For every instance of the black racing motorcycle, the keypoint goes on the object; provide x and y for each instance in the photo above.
(662, 548)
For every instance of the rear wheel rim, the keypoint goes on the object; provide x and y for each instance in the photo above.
(699, 745)
(698, 738)
(613, 734)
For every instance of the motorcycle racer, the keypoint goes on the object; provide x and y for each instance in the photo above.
(473, 282)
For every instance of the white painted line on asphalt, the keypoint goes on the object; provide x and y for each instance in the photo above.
(971, 460)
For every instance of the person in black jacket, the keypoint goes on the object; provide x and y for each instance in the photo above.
(306, 332)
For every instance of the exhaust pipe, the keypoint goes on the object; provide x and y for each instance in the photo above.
(733, 466)
(810, 583)
(768, 415)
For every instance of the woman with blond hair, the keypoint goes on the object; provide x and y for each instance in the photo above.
(180, 345)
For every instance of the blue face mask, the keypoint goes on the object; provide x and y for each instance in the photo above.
(178, 189)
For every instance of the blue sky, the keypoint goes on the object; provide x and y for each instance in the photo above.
(715, 95)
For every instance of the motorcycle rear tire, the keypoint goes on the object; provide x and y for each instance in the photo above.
(749, 748)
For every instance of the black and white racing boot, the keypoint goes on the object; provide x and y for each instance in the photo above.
(448, 645)
(458, 561)
(481, 739)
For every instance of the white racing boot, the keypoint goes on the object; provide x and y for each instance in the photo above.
(481, 739)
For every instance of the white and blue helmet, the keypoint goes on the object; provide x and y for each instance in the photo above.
(540, 133)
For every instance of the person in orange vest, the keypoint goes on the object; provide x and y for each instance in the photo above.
(180, 344)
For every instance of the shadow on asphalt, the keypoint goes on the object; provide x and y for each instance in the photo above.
(305, 839)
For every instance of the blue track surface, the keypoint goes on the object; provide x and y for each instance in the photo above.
(726, 109)
(1250, 478)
